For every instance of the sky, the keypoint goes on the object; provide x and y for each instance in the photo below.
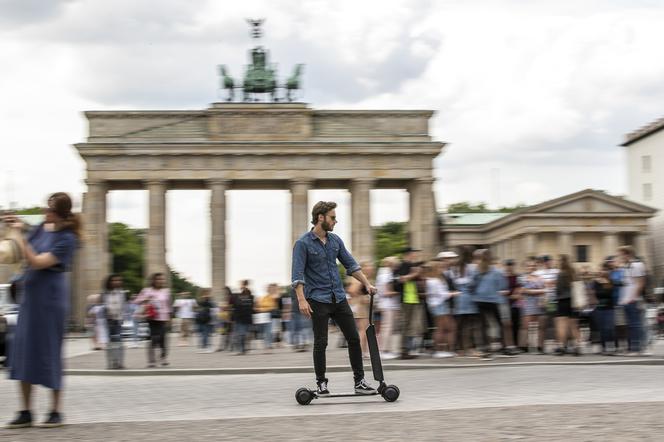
(533, 97)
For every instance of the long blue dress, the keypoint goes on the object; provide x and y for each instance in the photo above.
(37, 345)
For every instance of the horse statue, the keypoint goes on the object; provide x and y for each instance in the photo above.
(227, 82)
(259, 78)
(293, 82)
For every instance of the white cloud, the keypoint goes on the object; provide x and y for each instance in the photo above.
(542, 91)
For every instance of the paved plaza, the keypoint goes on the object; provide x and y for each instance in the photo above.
(542, 401)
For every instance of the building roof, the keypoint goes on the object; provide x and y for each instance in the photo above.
(472, 219)
(644, 131)
(490, 220)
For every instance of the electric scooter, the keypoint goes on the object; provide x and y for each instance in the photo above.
(390, 393)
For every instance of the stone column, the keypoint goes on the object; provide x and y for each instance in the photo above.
(609, 244)
(529, 244)
(423, 223)
(565, 244)
(93, 261)
(218, 236)
(300, 216)
(155, 244)
(362, 247)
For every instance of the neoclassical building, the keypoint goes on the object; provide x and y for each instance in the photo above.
(252, 146)
(587, 225)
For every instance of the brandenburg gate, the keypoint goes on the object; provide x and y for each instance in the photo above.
(252, 145)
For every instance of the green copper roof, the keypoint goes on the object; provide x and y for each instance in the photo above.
(471, 219)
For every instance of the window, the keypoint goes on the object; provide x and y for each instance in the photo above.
(647, 191)
(645, 163)
(582, 253)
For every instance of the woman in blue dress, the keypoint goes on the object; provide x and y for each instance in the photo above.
(37, 350)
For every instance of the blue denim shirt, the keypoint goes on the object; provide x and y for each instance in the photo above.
(489, 285)
(315, 266)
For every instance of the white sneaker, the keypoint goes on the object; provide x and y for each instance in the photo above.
(443, 354)
(388, 356)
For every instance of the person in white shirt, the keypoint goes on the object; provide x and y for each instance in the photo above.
(438, 293)
(388, 304)
(185, 312)
(630, 295)
(549, 275)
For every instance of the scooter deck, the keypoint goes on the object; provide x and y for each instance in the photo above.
(331, 395)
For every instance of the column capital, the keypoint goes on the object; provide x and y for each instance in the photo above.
(301, 181)
(95, 182)
(363, 181)
(425, 180)
(154, 182)
(218, 182)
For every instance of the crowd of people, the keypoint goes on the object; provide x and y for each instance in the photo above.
(462, 303)
(466, 303)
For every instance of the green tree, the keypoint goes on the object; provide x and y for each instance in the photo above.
(510, 209)
(181, 284)
(127, 248)
(467, 207)
(390, 239)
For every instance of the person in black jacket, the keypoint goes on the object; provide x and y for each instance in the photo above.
(204, 319)
(243, 309)
(602, 289)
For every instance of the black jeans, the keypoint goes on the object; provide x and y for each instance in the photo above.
(157, 339)
(343, 317)
(487, 311)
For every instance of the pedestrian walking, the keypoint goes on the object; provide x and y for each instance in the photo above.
(389, 305)
(184, 310)
(204, 320)
(114, 298)
(156, 300)
(243, 310)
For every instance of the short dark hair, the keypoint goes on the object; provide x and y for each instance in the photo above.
(321, 208)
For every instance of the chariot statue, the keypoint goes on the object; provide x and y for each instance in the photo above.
(260, 77)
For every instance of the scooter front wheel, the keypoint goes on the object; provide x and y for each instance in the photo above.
(391, 393)
(304, 396)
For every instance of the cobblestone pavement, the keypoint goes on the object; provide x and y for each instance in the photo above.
(624, 422)
(168, 402)
(189, 358)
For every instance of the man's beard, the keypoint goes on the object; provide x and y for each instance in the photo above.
(326, 226)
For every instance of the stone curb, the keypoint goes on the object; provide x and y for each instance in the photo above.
(339, 368)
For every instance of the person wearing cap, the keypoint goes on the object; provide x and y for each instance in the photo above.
(408, 277)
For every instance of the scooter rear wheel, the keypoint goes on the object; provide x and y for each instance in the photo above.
(304, 396)
(391, 393)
